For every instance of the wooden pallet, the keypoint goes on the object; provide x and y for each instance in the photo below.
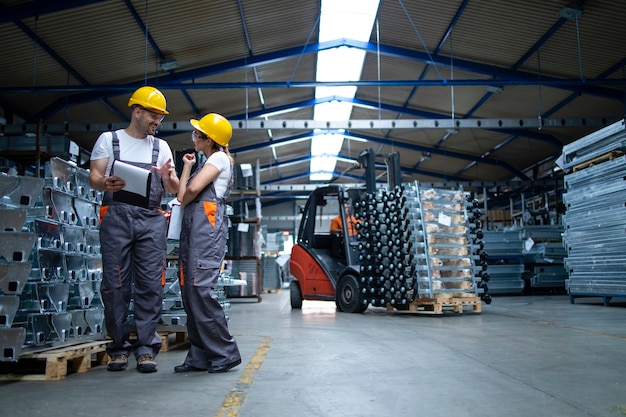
(55, 364)
(440, 305)
(609, 156)
(170, 338)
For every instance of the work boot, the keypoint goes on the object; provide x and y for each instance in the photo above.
(146, 364)
(118, 363)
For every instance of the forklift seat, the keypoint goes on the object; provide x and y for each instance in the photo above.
(322, 241)
(337, 249)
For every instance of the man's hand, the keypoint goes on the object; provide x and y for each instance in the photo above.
(114, 184)
(165, 170)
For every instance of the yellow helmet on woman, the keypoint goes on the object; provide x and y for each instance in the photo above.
(215, 126)
(149, 98)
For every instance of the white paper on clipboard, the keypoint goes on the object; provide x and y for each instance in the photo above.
(136, 178)
(176, 223)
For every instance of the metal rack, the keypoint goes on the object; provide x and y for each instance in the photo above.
(594, 229)
(445, 242)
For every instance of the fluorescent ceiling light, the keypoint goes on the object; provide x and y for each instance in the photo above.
(352, 19)
(169, 64)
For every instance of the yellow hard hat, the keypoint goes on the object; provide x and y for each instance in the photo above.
(149, 98)
(215, 126)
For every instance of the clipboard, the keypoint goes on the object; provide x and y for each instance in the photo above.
(137, 189)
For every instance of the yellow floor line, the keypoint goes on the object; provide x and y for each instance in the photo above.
(237, 396)
(579, 329)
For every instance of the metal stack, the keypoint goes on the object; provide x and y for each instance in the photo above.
(59, 301)
(447, 237)
(595, 218)
(544, 256)
(18, 197)
(524, 258)
(506, 263)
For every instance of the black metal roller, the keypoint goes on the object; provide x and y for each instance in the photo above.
(485, 276)
(486, 298)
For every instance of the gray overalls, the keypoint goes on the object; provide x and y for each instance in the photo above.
(202, 248)
(133, 244)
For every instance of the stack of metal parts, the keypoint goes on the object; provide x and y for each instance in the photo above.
(173, 311)
(544, 256)
(244, 270)
(18, 196)
(271, 272)
(531, 256)
(60, 301)
(506, 263)
(447, 241)
(595, 219)
(385, 256)
(274, 242)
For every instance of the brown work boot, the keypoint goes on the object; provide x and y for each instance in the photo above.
(118, 363)
(146, 364)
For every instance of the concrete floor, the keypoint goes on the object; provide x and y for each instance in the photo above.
(522, 356)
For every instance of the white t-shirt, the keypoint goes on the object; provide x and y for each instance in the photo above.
(131, 149)
(221, 161)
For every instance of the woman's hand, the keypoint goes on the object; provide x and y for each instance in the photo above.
(189, 159)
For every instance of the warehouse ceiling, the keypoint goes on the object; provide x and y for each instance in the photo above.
(464, 90)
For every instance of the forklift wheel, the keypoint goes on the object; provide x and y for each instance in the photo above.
(296, 295)
(348, 297)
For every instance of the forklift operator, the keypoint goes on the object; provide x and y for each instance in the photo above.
(336, 224)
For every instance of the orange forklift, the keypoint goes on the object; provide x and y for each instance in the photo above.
(325, 265)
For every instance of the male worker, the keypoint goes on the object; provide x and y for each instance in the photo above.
(336, 224)
(133, 230)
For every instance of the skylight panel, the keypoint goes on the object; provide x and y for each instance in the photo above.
(350, 19)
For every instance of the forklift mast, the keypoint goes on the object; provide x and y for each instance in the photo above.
(367, 160)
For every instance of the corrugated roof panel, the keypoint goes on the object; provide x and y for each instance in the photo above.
(280, 24)
(106, 46)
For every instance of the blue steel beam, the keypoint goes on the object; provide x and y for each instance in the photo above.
(432, 115)
(546, 36)
(387, 107)
(112, 89)
(402, 145)
(512, 77)
(554, 109)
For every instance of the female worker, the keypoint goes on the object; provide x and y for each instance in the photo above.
(203, 245)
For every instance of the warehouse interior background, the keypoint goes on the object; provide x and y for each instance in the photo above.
(482, 95)
(510, 114)
(550, 71)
